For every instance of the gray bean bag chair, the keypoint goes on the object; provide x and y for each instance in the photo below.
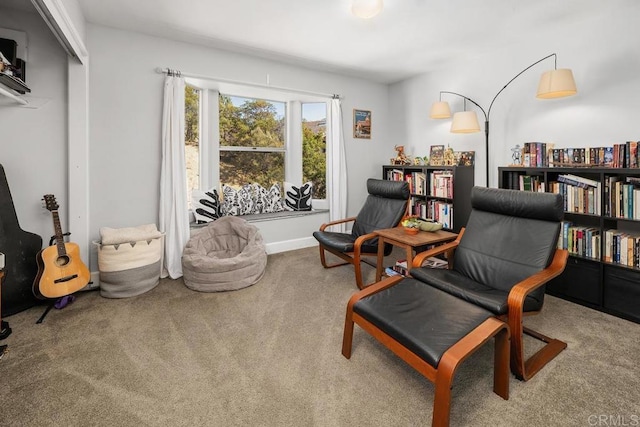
(227, 254)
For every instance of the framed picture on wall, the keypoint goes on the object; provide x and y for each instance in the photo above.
(362, 124)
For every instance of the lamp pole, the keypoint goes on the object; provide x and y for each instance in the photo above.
(487, 113)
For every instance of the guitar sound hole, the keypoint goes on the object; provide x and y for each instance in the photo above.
(62, 261)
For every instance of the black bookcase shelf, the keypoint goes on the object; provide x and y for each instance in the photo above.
(461, 181)
(610, 287)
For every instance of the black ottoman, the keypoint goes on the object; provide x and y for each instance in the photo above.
(430, 330)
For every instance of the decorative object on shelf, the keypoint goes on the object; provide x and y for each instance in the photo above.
(449, 157)
(366, 9)
(556, 83)
(417, 161)
(436, 155)
(362, 124)
(401, 158)
(516, 155)
(465, 158)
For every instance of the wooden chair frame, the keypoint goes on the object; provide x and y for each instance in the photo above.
(356, 256)
(442, 376)
(523, 369)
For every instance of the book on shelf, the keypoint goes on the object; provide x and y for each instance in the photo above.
(395, 175)
(578, 181)
(434, 262)
(417, 182)
(391, 272)
(400, 267)
(441, 184)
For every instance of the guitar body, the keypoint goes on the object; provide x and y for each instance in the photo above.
(60, 275)
(61, 271)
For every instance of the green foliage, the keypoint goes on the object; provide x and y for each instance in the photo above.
(314, 161)
(255, 124)
(191, 115)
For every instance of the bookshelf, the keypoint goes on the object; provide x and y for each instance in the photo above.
(438, 192)
(601, 231)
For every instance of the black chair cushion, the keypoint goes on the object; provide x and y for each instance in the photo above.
(423, 319)
(454, 283)
(522, 204)
(343, 242)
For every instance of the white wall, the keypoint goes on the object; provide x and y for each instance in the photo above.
(126, 108)
(33, 142)
(602, 50)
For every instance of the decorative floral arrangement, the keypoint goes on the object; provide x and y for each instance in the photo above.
(411, 222)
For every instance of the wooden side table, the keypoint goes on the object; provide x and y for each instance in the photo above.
(397, 237)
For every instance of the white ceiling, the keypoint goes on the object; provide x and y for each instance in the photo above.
(409, 37)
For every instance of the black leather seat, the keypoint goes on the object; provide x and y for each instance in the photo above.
(385, 206)
(421, 318)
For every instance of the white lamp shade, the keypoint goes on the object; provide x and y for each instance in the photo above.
(465, 122)
(556, 84)
(440, 110)
(366, 9)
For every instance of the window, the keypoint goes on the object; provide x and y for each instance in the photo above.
(249, 135)
(252, 141)
(314, 147)
(192, 138)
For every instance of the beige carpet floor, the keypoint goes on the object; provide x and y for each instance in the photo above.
(269, 355)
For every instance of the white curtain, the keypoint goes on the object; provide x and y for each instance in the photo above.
(174, 216)
(337, 167)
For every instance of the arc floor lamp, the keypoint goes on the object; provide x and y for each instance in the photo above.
(556, 83)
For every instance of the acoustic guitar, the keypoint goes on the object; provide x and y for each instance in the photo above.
(60, 269)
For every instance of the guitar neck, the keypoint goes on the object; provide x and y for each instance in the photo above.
(57, 228)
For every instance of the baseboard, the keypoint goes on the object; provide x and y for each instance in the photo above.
(271, 248)
(290, 245)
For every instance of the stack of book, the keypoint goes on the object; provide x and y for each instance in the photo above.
(622, 199)
(441, 212)
(441, 184)
(580, 241)
(534, 154)
(622, 248)
(417, 182)
(580, 194)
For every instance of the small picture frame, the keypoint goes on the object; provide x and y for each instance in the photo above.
(436, 155)
(362, 124)
(465, 158)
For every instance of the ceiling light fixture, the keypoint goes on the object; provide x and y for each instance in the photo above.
(366, 9)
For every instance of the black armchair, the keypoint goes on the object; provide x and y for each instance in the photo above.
(498, 268)
(386, 205)
(501, 262)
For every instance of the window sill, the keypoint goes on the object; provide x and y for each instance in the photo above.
(271, 216)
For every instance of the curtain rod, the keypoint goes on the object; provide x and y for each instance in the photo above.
(170, 71)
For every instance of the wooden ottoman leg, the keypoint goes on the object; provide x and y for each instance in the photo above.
(460, 351)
